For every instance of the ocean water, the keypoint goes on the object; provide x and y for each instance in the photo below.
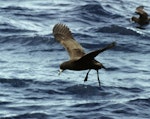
(30, 87)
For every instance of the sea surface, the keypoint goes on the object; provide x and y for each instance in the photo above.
(30, 87)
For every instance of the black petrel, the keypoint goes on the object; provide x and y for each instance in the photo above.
(143, 16)
(79, 60)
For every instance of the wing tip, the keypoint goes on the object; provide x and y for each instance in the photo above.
(140, 7)
(61, 29)
(113, 44)
(140, 10)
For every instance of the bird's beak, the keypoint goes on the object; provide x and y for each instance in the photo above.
(60, 71)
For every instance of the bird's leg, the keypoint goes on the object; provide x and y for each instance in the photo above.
(98, 78)
(86, 77)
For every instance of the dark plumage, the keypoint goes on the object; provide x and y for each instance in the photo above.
(79, 60)
(143, 18)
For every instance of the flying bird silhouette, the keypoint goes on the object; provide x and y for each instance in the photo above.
(79, 60)
(143, 16)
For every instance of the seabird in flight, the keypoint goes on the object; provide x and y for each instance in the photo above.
(79, 60)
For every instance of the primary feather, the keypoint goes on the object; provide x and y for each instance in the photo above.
(63, 35)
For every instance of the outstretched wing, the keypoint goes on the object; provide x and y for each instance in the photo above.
(92, 55)
(63, 35)
(142, 13)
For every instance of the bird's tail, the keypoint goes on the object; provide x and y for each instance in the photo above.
(104, 67)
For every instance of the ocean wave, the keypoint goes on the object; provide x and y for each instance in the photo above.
(143, 102)
(19, 83)
(93, 12)
(12, 30)
(83, 90)
(14, 8)
(28, 40)
(6, 28)
(35, 115)
(140, 104)
(118, 30)
(93, 9)
(4, 102)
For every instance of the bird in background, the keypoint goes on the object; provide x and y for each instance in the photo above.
(143, 18)
(79, 60)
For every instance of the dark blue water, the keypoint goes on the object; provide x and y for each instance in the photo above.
(30, 87)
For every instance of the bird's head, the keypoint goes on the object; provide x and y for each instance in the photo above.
(63, 67)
